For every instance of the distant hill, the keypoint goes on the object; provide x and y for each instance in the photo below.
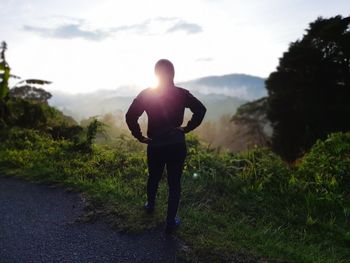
(221, 94)
(81, 106)
(85, 105)
(242, 86)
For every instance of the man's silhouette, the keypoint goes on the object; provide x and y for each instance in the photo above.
(165, 106)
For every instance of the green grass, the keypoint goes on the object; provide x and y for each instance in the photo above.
(250, 205)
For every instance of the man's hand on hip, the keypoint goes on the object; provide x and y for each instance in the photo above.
(183, 129)
(145, 140)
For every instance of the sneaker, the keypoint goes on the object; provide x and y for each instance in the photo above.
(149, 208)
(171, 227)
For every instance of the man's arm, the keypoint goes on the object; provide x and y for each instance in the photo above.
(198, 110)
(133, 114)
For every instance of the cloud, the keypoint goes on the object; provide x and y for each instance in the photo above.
(166, 18)
(206, 59)
(73, 28)
(189, 28)
(68, 31)
(78, 29)
(138, 28)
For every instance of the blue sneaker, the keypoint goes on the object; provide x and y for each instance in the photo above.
(172, 226)
(149, 208)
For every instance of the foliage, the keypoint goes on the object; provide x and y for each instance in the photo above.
(93, 128)
(310, 91)
(25, 92)
(30, 93)
(23, 88)
(26, 114)
(4, 88)
(66, 131)
(253, 127)
(4, 72)
(326, 167)
(250, 203)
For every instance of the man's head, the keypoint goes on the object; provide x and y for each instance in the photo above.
(165, 71)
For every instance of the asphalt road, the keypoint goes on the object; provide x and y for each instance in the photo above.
(38, 224)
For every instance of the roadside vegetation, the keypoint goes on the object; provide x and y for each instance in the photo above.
(251, 203)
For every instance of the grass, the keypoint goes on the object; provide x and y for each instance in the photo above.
(250, 206)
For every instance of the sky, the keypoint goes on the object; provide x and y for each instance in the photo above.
(87, 45)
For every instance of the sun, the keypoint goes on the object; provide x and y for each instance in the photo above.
(154, 82)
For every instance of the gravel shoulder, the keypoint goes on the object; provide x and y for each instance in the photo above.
(39, 224)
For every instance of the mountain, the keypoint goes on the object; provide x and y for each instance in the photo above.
(221, 95)
(242, 86)
(81, 106)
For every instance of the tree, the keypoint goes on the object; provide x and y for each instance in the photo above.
(4, 88)
(24, 89)
(4, 72)
(30, 93)
(309, 93)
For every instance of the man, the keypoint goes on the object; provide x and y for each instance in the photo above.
(165, 106)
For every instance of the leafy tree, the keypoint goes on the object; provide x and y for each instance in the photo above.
(4, 88)
(24, 89)
(29, 115)
(309, 93)
(4, 72)
(31, 93)
(66, 131)
(93, 127)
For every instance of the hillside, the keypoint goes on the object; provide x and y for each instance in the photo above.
(250, 207)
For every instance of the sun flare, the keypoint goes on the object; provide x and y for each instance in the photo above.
(154, 82)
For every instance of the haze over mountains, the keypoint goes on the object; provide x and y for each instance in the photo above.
(242, 86)
(221, 95)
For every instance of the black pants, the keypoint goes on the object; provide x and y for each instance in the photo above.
(173, 157)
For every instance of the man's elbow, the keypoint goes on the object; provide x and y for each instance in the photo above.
(203, 111)
(200, 113)
(129, 119)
